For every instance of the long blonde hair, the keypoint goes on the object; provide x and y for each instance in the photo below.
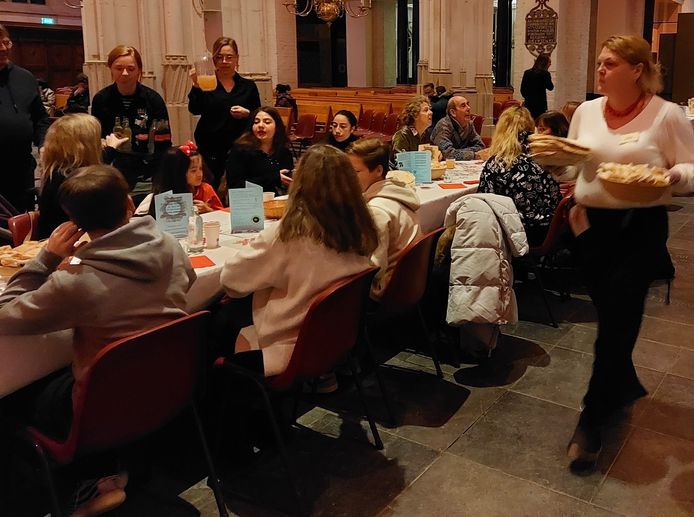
(506, 146)
(326, 204)
(71, 142)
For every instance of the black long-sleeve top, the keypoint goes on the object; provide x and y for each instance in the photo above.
(217, 129)
(534, 88)
(23, 118)
(246, 164)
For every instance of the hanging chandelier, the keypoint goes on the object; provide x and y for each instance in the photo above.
(330, 10)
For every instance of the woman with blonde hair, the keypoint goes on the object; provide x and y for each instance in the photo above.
(223, 111)
(327, 226)
(72, 141)
(511, 172)
(621, 243)
(415, 119)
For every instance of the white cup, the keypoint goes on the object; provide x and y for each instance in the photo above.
(268, 196)
(210, 230)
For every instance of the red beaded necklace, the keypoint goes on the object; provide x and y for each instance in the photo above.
(609, 110)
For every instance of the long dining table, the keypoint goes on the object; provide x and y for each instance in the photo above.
(26, 358)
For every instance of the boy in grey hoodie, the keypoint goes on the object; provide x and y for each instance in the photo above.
(393, 207)
(128, 278)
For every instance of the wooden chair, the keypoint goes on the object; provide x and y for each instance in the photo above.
(135, 386)
(477, 122)
(23, 227)
(303, 134)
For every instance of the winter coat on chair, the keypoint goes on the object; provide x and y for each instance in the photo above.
(488, 233)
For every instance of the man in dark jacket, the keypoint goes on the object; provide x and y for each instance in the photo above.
(23, 119)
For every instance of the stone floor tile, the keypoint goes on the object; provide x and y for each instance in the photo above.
(442, 436)
(654, 355)
(563, 381)
(537, 331)
(684, 367)
(668, 332)
(527, 438)
(455, 486)
(652, 475)
(671, 410)
(580, 338)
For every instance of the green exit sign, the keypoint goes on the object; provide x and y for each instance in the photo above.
(47, 21)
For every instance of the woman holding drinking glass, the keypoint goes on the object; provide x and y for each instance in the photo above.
(622, 244)
(223, 111)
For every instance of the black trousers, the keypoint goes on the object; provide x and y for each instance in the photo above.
(17, 179)
(620, 255)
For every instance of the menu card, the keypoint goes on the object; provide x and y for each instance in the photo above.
(418, 163)
(172, 211)
(246, 208)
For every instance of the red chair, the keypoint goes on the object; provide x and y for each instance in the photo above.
(364, 122)
(390, 127)
(304, 133)
(403, 294)
(509, 104)
(326, 338)
(496, 111)
(477, 121)
(377, 122)
(135, 386)
(23, 226)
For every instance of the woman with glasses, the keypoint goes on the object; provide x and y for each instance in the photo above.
(223, 111)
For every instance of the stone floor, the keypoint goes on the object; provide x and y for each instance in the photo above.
(486, 440)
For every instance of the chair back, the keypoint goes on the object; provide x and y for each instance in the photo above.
(365, 120)
(286, 116)
(390, 126)
(509, 104)
(496, 110)
(410, 276)
(306, 126)
(558, 226)
(23, 227)
(477, 121)
(135, 386)
(377, 122)
(329, 331)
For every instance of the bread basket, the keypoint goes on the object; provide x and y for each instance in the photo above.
(633, 183)
(275, 208)
(636, 192)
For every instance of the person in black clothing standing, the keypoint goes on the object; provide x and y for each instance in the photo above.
(23, 119)
(130, 100)
(224, 111)
(536, 81)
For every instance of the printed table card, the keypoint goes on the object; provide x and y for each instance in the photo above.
(246, 208)
(172, 211)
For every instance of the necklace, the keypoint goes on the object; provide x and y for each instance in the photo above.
(609, 110)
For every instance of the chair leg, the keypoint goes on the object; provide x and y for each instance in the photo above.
(538, 277)
(360, 391)
(280, 445)
(48, 475)
(432, 346)
(212, 480)
(379, 379)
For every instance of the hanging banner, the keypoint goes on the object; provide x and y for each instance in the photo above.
(541, 29)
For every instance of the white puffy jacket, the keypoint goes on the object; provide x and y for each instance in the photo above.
(488, 233)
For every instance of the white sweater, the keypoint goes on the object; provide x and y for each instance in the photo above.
(284, 278)
(659, 136)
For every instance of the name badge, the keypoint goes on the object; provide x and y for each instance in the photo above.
(629, 138)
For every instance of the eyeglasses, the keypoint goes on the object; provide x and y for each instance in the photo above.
(7, 43)
(189, 148)
(225, 57)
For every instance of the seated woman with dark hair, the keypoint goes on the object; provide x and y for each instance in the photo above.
(512, 172)
(552, 123)
(261, 155)
(342, 130)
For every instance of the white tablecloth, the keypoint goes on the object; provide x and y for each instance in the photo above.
(24, 359)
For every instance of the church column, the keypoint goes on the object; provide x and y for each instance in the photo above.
(439, 23)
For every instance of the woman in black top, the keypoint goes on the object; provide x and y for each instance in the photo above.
(261, 155)
(224, 111)
(140, 105)
(342, 130)
(536, 81)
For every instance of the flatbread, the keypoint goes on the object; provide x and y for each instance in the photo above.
(633, 174)
(556, 151)
(405, 178)
(17, 257)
